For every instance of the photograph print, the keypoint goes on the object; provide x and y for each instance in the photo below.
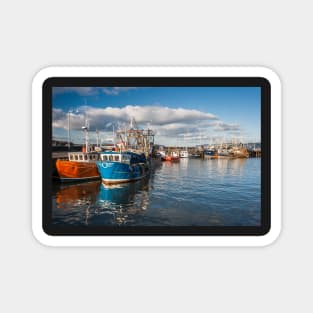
(155, 157)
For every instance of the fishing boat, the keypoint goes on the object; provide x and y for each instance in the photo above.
(122, 167)
(173, 156)
(132, 159)
(210, 153)
(224, 153)
(79, 166)
(183, 154)
(240, 152)
(195, 155)
(159, 154)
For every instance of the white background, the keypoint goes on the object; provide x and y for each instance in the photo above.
(36, 34)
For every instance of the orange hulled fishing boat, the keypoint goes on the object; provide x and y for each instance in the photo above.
(80, 165)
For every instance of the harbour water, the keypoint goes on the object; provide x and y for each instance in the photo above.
(191, 192)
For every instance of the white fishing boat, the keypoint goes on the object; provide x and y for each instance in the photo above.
(183, 154)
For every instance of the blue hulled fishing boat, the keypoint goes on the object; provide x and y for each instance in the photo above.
(131, 159)
(121, 167)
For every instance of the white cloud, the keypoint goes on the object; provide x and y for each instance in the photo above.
(221, 126)
(164, 117)
(176, 123)
(58, 114)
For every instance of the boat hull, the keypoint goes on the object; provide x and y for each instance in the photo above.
(170, 158)
(206, 156)
(69, 171)
(210, 154)
(117, 172)
(241, 154)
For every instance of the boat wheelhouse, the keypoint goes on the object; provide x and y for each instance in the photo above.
(83, 156)
(224, 153)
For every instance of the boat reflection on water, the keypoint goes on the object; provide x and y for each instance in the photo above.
(226, 166)
(184, 163)
(67, 195)
(94, 203)
(124, 202)
(71, 203)
(230, 167)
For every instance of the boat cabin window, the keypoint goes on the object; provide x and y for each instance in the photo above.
(126, 158)
(71, 156)
(85, 157)
(109, 157)
(76, 157)
(80, 157)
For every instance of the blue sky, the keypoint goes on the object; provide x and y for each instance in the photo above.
(189, 115)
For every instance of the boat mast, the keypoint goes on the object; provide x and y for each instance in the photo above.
(69, 129)
(97, 132)
(85, 129)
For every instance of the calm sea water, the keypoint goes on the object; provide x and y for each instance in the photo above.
(192, 192)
